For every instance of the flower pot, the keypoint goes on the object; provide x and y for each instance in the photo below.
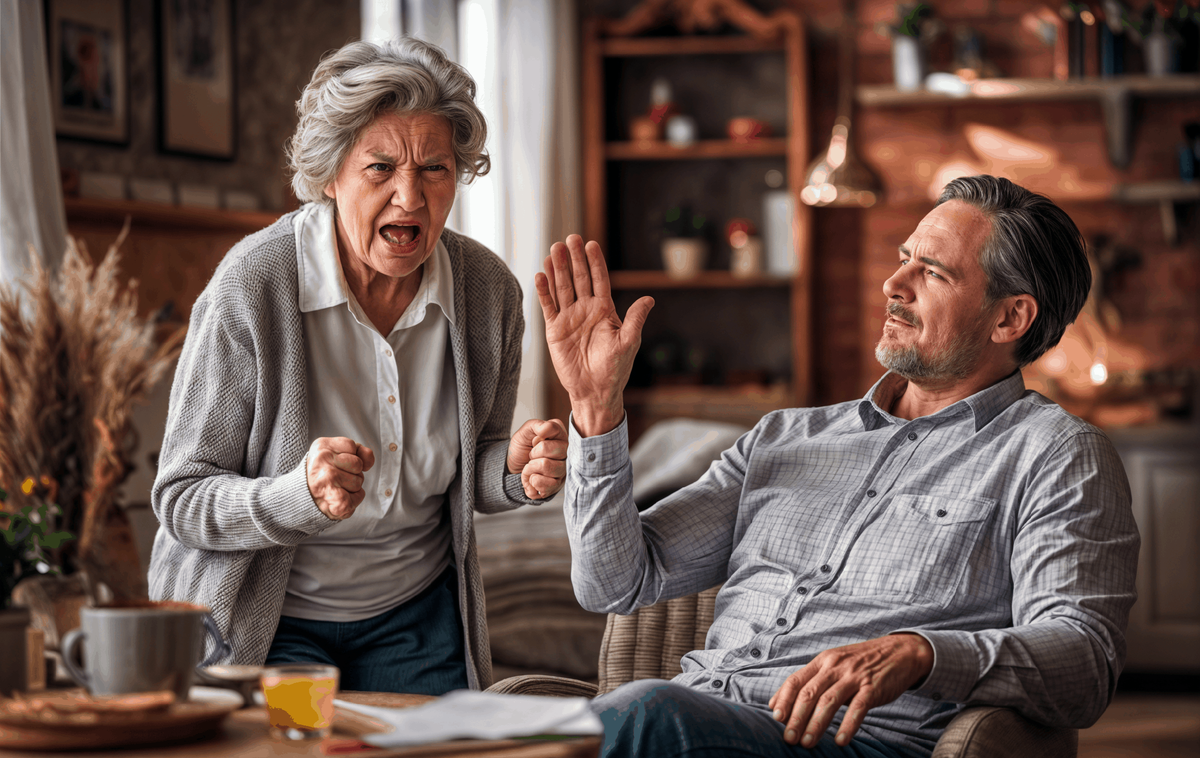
(908, 62)
(14, 663)
(684, 257)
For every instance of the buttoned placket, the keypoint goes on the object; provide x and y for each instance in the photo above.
(391, 423)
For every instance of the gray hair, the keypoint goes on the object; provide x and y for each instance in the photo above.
(353, 86)
(1034, 248)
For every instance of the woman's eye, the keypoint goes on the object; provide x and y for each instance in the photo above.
(436, 168)
(380, 167)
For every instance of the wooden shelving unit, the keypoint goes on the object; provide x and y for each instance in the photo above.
(145, 214)
(606, 44)
(1115, 95)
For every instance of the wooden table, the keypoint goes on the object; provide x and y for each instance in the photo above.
(244, 734)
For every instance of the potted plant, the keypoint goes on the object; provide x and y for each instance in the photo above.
(684, 248)
(74, 358)
(915, 27)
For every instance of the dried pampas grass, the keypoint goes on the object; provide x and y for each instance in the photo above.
(74, 358)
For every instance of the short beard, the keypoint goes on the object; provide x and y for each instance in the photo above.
(956, 361)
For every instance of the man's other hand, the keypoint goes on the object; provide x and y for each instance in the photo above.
(865, 675)
(591, 349)
(335, 475)
(538, 452)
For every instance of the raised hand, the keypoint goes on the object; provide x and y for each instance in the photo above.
(591, 349)
(335, 474)
(538, 452)
(865, 675)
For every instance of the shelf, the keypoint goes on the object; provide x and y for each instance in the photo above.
(740, 405)
(145, 214)
(1030, 90)
(621, 47)
(652, 280)
(716, 148)
(1113, 94)
(1157, 192)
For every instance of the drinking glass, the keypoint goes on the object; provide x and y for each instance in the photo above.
(300, 699)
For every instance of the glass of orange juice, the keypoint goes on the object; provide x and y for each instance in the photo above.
(300, 699)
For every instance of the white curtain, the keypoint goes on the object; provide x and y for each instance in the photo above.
(31, 206)
(522, 54)
(530, 98)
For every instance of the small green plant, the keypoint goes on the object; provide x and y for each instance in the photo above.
(30, 538)
(682, 222)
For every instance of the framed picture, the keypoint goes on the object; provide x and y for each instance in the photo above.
(197, 99)
(87, 45)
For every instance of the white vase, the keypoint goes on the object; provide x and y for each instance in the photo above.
(908, 62)
(1158, 52)
(684, 257)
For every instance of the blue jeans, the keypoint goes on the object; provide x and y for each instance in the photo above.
(417, 647)
(653, 718)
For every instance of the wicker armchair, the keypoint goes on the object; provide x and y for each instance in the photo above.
(648, 644)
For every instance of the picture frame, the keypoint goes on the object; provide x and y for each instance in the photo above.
(197, 92)
(87, 42)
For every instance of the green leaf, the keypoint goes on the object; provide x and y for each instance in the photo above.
(55, 540)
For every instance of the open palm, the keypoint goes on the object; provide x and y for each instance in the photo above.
(591, 349)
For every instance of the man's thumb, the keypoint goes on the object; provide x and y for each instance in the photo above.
(635, 317)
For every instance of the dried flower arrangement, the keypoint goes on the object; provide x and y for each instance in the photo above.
(74, 358)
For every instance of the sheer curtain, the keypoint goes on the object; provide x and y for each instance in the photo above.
(31, 206)
(522, 54)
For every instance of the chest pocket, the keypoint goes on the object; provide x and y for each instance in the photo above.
(916, 550)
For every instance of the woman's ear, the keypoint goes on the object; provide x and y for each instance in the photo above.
(1017, 314)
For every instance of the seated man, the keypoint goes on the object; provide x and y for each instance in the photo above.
(951, 539)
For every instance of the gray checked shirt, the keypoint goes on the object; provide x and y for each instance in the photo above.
(998, 528)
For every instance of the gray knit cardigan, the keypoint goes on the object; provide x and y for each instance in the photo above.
(231, 495)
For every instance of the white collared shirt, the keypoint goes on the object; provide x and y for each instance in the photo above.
(396, 395)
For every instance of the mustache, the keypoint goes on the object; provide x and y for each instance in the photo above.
(896, 310)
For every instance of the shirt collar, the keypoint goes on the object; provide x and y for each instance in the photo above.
(323, 284)
(985, 405)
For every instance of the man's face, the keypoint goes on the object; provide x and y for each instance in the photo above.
(937, 324)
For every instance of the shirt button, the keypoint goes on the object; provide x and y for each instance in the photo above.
(912, 436)
(388, 493)
(392, 447)
(716, 683)
(780, 622)
(941, 513)
(871, 493)
(591, 457)
(388, 353)
(802, 590)
(391, 398)
(936, 696)
(755, 653)
(825, 569)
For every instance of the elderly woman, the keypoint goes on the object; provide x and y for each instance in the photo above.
(345, 394)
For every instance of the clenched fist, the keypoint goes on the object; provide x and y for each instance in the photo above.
(334, 472)
(538, 452)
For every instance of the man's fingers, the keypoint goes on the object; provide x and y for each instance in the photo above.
(564, 287)
(598, 269)
(635, 318)
(541, 283)
(580, 270)
(855, 713)
(826, 707)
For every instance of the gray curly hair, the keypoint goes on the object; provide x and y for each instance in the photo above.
(353, 86)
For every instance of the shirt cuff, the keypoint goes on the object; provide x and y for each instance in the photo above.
(601, 455)
(955, 665)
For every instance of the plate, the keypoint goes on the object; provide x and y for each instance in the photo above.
(85, 727)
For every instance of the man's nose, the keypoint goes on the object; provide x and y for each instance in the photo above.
(897, 286)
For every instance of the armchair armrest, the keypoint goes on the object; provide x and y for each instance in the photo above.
(990, 732)
(552, 686)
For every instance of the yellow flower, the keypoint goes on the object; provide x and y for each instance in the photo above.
(27, 485)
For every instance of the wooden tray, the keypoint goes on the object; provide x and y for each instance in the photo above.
(105, 724)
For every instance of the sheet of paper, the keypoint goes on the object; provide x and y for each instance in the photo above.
(465, 714)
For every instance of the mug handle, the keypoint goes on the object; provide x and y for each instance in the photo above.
(220, 649)
(70, 644)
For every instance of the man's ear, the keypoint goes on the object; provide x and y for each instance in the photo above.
(1016, 316)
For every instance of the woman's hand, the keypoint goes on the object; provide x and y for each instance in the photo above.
(335, 475)
(538, 452)
(591, 349)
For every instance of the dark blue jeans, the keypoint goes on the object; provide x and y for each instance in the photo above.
(653, 718)
(416, 647)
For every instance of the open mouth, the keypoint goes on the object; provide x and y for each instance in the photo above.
(400, 235)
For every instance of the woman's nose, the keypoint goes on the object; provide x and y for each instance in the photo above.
(408, 192)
